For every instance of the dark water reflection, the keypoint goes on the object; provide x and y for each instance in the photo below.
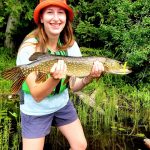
(101, 141)
(100, 137)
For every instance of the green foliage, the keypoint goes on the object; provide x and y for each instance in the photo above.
(9, 124)
(23, 11)
(119, 27)
(6, 55)
(9, 108)
(12, 6)
(120, 102)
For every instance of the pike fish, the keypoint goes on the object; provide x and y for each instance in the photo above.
(76, 66)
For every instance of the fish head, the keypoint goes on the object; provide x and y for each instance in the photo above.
(116, 67)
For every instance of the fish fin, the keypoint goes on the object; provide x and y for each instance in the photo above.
(15, 74)
(37, 55)
(41, 77)
(16, 86)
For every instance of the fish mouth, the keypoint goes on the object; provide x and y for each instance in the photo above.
(120, 71)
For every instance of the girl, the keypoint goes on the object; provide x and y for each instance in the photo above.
(47, 103)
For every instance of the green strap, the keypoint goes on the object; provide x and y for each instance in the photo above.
(61, 85)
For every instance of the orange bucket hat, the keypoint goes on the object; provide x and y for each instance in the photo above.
(45, 3)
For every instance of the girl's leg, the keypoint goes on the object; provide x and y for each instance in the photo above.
(33, 144)
(75, 135)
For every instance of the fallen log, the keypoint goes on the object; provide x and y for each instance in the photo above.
(89, 100)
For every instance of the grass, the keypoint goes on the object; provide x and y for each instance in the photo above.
(114, 99)
(9, 124)
(9, 110)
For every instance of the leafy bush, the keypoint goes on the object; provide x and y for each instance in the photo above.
(119, 27)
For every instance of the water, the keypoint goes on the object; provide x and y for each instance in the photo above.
(102, 140)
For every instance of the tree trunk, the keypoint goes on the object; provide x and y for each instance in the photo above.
(11, 24)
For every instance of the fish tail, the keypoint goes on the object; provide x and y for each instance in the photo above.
(16, 75)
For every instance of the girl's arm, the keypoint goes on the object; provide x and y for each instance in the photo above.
(41, 90)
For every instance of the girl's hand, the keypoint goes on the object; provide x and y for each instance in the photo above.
(59, 69)
(97, 69)
(96, 72)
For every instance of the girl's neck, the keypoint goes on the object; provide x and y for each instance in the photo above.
(52, 44)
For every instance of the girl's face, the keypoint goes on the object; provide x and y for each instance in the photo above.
(54, 20)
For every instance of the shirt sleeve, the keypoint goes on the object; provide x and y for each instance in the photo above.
(74, 50)
(25, 52)
(24, 55)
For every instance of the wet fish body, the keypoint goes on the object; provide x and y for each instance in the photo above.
(76, 66)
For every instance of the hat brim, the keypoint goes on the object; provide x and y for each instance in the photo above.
(44, 4)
